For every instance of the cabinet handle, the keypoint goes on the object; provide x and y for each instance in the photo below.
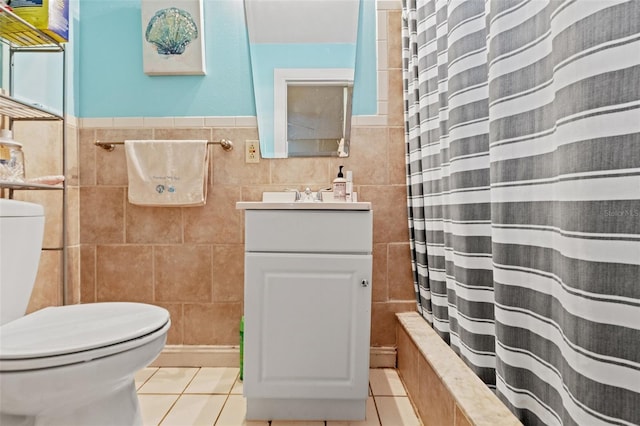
(365, 283)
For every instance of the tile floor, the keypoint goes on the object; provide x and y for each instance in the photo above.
(213, 396)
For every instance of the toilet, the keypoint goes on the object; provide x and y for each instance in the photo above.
(66, 365)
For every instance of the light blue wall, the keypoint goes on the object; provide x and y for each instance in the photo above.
(113, 84)
(365, 88)
(33, 85)
(110, 81)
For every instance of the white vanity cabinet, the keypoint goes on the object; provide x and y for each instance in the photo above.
(307, 308)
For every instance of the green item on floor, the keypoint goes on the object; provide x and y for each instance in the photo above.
(241, 345)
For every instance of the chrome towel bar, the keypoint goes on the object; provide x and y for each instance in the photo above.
(226, 144)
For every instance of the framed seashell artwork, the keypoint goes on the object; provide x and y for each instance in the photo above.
(172, 37)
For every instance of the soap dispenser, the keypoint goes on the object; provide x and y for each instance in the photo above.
(340, 187)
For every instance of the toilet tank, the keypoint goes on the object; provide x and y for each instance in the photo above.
(21, 232)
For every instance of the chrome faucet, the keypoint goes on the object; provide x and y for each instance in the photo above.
(320, 191)
(308, 195)
(298, 195)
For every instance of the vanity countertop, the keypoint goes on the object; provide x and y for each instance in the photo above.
(331, 205)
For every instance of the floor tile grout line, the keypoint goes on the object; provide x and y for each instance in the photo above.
(203, 393)
(214, 392)
(179, 395)
(413, 405)
(199, 369)
(160, 393)
(221, 410)
(170, 408)
(146, 380)
(183, 393)
(375, 406)
(226, 399)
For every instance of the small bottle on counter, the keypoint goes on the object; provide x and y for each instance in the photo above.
(349, 187)
(340, 187)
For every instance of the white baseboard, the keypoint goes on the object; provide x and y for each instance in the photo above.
(229, 356)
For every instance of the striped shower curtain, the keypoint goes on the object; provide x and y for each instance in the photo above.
(522, 122)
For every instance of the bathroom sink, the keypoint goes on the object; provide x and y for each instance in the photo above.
(279, 197)
(286, 200)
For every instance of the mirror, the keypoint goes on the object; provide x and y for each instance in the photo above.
(302, 61)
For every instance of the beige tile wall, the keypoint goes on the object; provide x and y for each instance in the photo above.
(190, 260)
(43, 149)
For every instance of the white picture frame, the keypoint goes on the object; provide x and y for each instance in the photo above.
(173, 37)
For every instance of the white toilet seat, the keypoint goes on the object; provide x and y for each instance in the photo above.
(70, 334)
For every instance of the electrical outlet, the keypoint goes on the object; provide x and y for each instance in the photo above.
(252, 152)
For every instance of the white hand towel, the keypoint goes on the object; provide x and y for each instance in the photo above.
(167, 172)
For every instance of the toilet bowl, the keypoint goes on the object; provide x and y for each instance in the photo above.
(66, 365)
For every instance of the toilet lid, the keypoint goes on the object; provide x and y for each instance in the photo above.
(75, 328)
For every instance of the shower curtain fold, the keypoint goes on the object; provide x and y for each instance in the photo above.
(522, 132)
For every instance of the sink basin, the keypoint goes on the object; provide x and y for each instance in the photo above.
(290, 197)
(286, 200)
(279, 197)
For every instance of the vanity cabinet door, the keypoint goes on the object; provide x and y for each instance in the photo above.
(307, 325)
